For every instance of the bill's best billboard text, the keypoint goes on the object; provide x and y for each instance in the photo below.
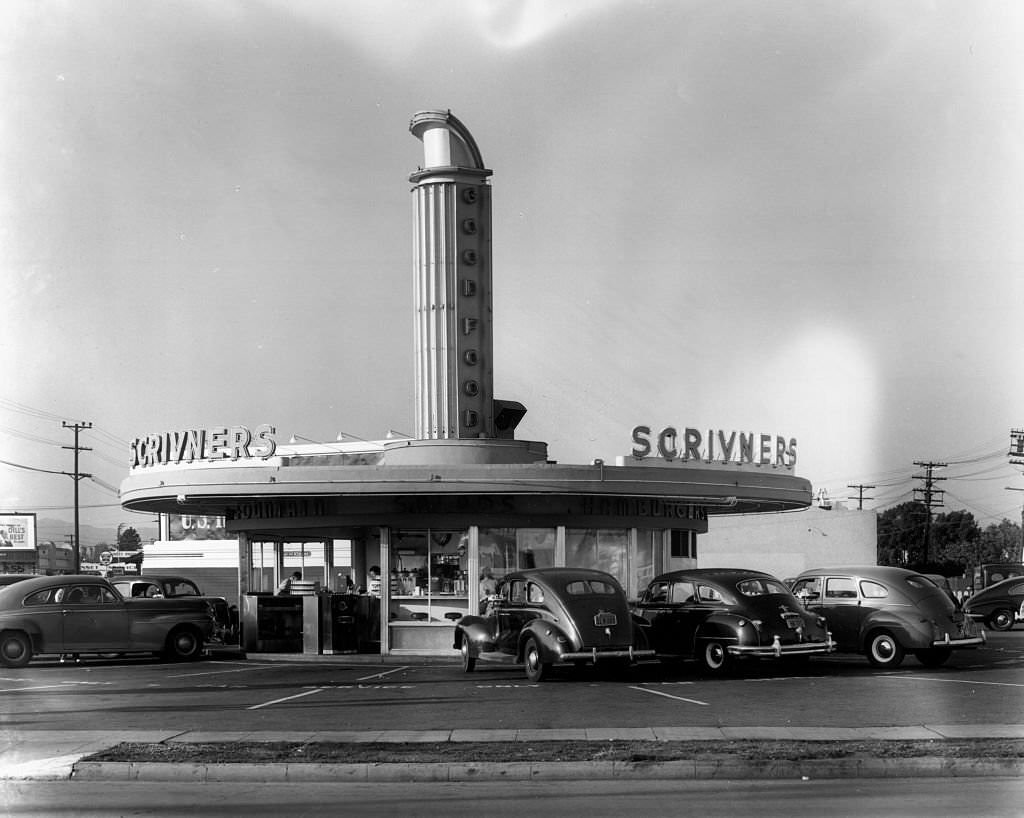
(715, 446)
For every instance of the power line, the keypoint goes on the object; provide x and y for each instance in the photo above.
(30, 468)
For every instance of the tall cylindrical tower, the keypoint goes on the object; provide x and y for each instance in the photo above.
(452, 270)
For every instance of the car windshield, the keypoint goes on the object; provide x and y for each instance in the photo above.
(180, 587)
(760, 587)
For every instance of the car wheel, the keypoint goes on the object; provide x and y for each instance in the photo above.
(15, 649)
(933, 657)
(883, 650)
(1001, 620)
(183, 645)
(714, 658)
(468, 660)
(536, 668)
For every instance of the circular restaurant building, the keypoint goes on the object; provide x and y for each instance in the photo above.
(407, 526)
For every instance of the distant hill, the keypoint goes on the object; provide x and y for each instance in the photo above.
(48, 528)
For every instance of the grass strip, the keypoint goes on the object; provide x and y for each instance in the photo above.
(290, 752)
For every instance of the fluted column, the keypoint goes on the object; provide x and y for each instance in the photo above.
(452, 283)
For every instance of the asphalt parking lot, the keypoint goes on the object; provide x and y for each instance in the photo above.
(262, 693)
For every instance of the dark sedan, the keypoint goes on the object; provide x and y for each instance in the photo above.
(172, 586)
(85, 614)
(999, 606)
(719, 615)
(884, 612)
(545, 616)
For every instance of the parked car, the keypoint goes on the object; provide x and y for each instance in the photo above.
(172, 586)
(999, 606)
(884, 612)
(77, 614)
(545, 616)
(719, 615)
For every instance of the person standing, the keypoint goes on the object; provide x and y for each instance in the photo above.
(285, 587)
(373, 584)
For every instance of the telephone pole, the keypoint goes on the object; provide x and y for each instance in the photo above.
(932, 497)
(861, 498)
(77, 476)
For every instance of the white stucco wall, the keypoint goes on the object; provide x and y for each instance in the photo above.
(786, 544)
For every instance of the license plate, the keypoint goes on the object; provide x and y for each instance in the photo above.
(605, 620)
(793, 621)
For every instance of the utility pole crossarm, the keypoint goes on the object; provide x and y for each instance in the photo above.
(861, 488)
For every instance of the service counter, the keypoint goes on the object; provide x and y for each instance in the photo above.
(310, 623)
(424, 623)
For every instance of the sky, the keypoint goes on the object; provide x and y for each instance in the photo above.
(794, 218)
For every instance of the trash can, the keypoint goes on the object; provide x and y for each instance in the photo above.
(338, 624)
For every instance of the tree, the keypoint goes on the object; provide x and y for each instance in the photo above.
(128, 540)
(955, 539)
(901, 531)
(1000, 543)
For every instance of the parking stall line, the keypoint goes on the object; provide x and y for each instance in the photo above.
(670, 696)
(286, 698)
(217, 672)
(382, 674)
(64, 685)
(955, 681)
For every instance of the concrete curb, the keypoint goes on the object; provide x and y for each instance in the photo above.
(924, 767)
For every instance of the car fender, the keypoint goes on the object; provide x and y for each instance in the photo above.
(721, 625)
(28, 626)
(546, 634)
(908, 637)
(641, 632)
(475, 631)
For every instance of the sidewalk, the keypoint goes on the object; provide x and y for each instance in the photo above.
(54, 755)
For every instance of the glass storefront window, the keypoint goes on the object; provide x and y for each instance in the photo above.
(429, 576)
(647, 560)
(605, 549)
(512, 549)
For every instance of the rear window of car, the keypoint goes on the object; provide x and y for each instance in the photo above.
(921, 583)
(760, 587)
(585, 587)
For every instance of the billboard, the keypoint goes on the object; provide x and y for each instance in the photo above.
(17, 531)
(195, 527)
